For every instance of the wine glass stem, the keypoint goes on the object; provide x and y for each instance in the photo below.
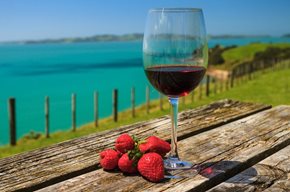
(174, 114)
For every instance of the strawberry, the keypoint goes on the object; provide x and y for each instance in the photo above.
(109, 159)
(124, 143)
(151, 167)
(126, 164)
(155, 144)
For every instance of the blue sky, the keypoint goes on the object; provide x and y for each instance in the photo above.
(39, 19)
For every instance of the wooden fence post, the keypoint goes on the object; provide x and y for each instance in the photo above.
(12, 120)
(207, 85)
(133, 101)
(46, 113)
(233, 77)
(221, 84)
(250, 70)
(96, 108)
(242, 74)
(115, 105)
(245, 72)
(227, 84)
(215, 85)
(73, 109)
(147, 99)
(237, 76)
(263, 67)
(253, 70)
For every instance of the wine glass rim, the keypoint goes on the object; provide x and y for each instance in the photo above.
(175, 10)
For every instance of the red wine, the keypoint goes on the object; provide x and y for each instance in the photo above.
(175, 80)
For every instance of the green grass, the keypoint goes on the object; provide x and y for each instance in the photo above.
(246, 53)
(269, 88)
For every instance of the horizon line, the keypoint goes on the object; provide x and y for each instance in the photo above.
(135, 33)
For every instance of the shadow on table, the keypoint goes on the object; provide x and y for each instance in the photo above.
(227, 169)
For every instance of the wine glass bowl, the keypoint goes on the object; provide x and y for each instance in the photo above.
(175, 56)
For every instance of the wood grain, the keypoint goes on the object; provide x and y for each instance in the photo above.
(221, 153)
(271, 174)
(46, 166)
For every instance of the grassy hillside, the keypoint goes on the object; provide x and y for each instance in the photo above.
(247, 52)
(269, 88)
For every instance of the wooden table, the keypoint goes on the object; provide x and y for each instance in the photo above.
(240, 147)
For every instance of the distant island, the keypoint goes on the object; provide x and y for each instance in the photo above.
(125, 37)
(235, 36)
(95, 38)
(287, 35)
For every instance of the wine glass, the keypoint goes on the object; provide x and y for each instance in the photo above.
(175, 55)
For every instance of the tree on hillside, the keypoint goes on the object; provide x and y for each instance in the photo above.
(215, 55)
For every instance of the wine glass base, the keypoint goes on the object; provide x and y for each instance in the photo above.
(176, 164)
(176, 168)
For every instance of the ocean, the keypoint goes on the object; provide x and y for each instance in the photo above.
(30, 72)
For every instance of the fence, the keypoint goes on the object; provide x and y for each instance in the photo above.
(214, 84)
(12, 111)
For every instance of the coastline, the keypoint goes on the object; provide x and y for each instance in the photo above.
(126, 37)
(280, 95)
(71, 68)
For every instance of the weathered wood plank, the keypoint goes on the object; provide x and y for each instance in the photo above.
(280, 186)
(221, 153)
(43, 167)
(271, 174)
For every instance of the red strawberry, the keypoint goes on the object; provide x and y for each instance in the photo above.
(151, 167)
(124, 143)
(109, 159)
(127, 165)
(155, 144)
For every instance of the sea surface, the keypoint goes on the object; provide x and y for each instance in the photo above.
(30, 72)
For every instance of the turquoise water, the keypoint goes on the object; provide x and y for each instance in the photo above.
(31, 72)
